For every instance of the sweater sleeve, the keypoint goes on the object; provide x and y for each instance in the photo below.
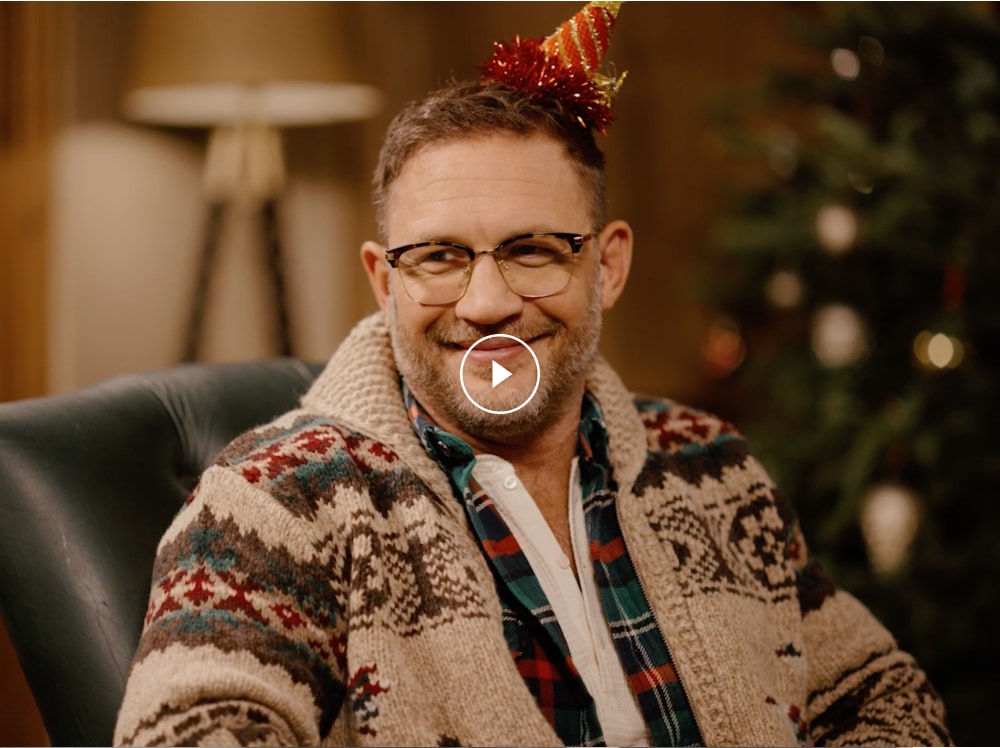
(244, 636)
(863, 690)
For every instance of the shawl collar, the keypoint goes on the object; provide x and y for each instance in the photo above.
(360, 388)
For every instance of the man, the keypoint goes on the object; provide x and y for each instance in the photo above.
(449, 543)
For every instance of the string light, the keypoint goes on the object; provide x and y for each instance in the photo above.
(938, 350)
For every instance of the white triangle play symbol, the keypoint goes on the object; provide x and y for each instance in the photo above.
(499, 374)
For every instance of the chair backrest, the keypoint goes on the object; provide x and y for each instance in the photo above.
(89, 481)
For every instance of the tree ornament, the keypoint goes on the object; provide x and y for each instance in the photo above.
(836, 228)
(953, 287)
(724, 348)
(845, 63)
(838, 336)
(871, 50)
(890, 517)
(784, 289)
(861, 182)
(564, 65)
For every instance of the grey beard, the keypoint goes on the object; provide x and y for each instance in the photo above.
(554, 390)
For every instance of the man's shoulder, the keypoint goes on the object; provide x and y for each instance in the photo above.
(307, 449)
(673, 427)
(694, 448)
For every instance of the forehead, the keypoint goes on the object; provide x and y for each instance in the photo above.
(486, 187)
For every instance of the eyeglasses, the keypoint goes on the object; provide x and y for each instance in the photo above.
(532, 266)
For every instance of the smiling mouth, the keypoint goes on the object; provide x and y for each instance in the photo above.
(494, 344)
(501, 350)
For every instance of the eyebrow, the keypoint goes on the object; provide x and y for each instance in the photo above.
(450, 240)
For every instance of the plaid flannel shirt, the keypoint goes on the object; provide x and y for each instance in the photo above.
(533, 635)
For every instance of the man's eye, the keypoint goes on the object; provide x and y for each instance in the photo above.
(527, 249)
(531, 254)
(445, 254)
(435, 259)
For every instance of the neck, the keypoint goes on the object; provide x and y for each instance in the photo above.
(550, 447)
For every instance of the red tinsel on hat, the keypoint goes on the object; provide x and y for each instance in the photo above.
(562, 65)
(522, 64)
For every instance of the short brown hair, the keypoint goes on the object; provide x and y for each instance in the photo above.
(465, 109)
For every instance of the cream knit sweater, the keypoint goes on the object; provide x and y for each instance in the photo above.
(321, 586)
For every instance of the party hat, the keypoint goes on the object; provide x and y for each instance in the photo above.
(564, 65)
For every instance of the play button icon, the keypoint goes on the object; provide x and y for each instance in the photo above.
(500, 374)
(518, 389)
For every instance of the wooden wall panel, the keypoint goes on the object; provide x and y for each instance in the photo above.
(23, 250)
(27, 72)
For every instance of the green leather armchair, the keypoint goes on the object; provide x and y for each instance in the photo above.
(89, 481)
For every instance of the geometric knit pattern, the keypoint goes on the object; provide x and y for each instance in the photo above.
(322, 586)
(533, 633)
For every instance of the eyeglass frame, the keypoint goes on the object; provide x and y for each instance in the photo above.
(575, 241)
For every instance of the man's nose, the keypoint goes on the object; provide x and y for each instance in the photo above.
(488, 299)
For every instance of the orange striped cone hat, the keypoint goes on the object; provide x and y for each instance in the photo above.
(564, 65)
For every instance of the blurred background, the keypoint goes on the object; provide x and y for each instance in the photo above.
(814, 193)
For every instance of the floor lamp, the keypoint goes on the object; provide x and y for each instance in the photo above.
(245, 70)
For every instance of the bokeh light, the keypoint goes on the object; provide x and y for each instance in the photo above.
(890, 517)
(871, 50)
(784, 289)
(861, 182)
(938, 350)
(724, 348)
(838, 336)
(836, 228)
(846, 64)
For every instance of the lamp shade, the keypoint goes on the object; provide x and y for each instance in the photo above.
(212, 63)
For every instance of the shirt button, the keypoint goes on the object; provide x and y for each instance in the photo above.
(510, 482)
(563, 561)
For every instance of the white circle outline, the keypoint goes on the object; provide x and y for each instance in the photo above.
(461, 374)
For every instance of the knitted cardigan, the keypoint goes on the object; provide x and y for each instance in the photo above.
(321, 586)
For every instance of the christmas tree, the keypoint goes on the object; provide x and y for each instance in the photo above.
(859, 278)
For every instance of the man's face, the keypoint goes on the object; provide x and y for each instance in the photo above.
(478, 192)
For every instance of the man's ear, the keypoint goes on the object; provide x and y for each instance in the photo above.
(373, 258)
(616, 260)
